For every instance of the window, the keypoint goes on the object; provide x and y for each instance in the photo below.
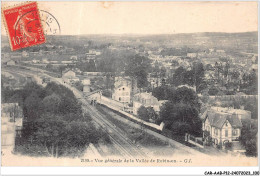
(216, 131)
(234, 132)
(226, 133)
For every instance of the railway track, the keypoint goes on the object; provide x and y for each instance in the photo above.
(125, 146)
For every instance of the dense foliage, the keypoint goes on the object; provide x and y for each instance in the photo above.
(147, 114)
(249, 139)
(193, 77)
(54, 123)
(181, 113)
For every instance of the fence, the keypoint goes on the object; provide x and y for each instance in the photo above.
(194, 140)
(231, 97)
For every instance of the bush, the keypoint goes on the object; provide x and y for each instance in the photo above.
(228, 145)
(180, 128)
(142, 113)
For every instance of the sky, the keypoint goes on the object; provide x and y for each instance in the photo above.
(76, 18)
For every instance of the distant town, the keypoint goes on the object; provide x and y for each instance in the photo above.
(155, 94)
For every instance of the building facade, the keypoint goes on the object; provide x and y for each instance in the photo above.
(70, 77)
(147, 100)
(122, 94)
(12, 123)
(221, 127)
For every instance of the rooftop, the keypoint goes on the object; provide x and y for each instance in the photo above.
(230, 110)
(218, 119)
(146, 96)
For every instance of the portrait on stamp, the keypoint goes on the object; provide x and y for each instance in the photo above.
(23, 25)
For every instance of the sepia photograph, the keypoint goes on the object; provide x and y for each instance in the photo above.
(129, 83)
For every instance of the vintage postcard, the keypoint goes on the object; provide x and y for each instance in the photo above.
(129, 84)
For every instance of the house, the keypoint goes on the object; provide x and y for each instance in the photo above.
(122, 93)
(11, 125)
(69, 74)
(16, 56)
(5, 56)
(70, 77)
(220, 51)
(10, 62)
(73, 57)
(35, 61)
(147, 100)
(221, 126)
(243, 115)
(155, 82)
(123, 89)
(192, 55)
(25, 54)
(67, 62)
(35, 53)
(45, 61)
(254, 66)
(211, 50)
(86, 85)
(69, 50)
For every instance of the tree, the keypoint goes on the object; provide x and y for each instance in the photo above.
(213, 91)
(249, 139)
(226, 69)
(193, 77)
(54, 123)
(51, 133)
(152, 114)
(175, 116)
(181, 113)
(235, 75)
(79, 85)
(252, 106)
(163, 92)
(49, 66)
(178, 77)
(137, 68)
(218, 69)
(33, 107)
(113, 61)
(142, 113)
(51, 103)
(199, 72)
(187, 96)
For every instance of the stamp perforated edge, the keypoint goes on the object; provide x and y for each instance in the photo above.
(5, 24)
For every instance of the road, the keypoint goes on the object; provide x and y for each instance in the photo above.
(121, 143)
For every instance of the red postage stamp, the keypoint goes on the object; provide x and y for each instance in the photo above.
(23, 25)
